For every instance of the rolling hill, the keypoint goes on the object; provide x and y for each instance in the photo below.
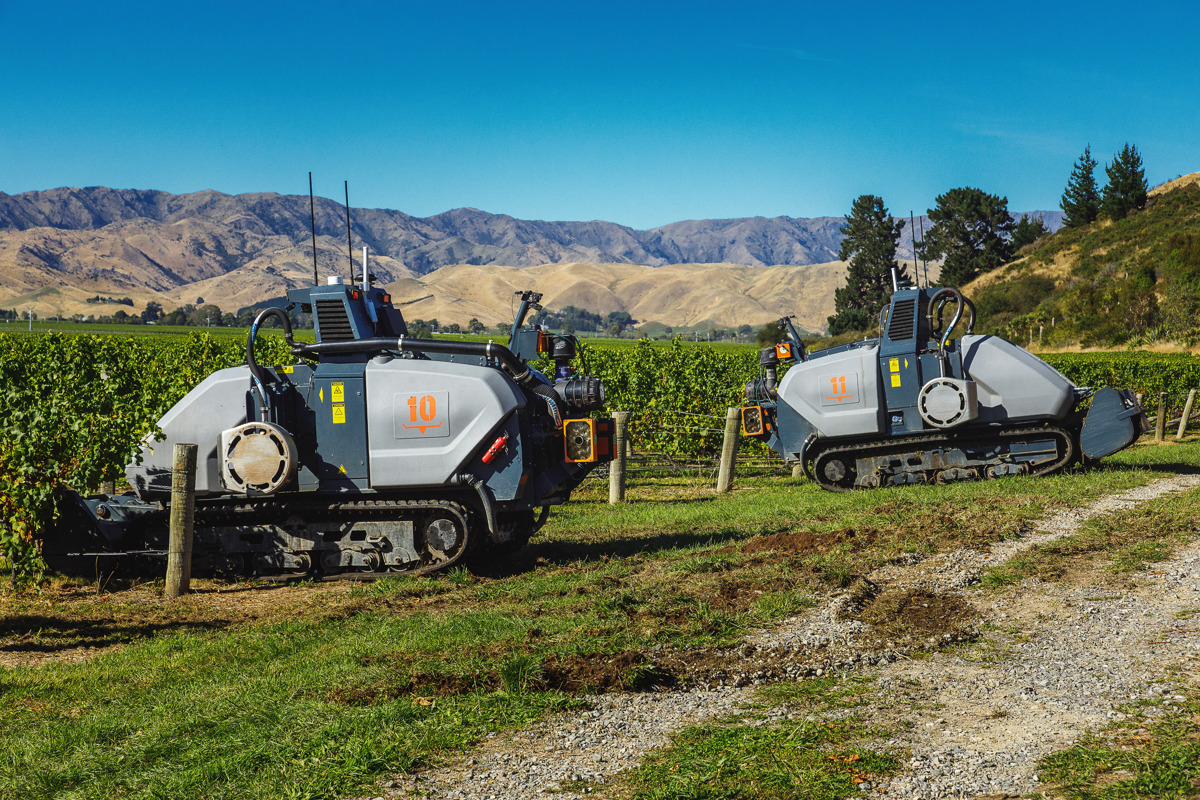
(1133, 282)
(62, 246)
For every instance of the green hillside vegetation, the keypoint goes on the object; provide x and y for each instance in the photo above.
(1131, 282)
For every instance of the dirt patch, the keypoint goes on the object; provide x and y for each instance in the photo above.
(807, 543)
(66, 621)
(921, 611)
(579, 673)
(911, 615)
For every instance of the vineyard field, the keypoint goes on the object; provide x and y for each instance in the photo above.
(74, 407)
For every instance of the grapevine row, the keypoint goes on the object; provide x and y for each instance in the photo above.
(73, 407)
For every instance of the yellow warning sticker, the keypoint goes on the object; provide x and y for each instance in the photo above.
(339, 393)
(895, 379)
(894, 366)
(286, 370)
(339, 414)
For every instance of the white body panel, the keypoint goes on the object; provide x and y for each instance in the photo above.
(216, 404)
(838, 394)
(1012, 384)
(427, 419)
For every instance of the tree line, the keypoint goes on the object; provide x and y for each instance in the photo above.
(972, 232)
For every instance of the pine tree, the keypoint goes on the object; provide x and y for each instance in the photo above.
(871, 236)
(1027, 231)
(971, 232)
(1081, 200)
(1126, 189)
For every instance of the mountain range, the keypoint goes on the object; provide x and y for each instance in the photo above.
(60, 246)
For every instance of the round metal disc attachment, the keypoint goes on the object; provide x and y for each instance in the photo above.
(257, 458)
(946, 402)
(835, 470)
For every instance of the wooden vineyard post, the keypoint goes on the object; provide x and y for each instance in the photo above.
(183, 506)
(1160, 424)
(616, 470)
(1187, 412)
(728, 450)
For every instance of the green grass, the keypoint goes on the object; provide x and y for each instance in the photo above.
(1139, 757)
(326, 696)
(748, 757)
(1119, 543)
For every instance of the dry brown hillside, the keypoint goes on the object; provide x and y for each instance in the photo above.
(678, 295)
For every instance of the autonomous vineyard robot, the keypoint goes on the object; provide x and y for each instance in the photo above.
(916, 406)
(379, 453)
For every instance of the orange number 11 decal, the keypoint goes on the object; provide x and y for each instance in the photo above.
(838, 389)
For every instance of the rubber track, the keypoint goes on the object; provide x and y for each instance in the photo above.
(892, 448)
(272, 510)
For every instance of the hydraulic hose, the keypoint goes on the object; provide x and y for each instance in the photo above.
(256, 373)
(508, 360)
(936, 303)
(485, 498)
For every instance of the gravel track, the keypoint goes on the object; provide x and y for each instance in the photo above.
(1060, 661)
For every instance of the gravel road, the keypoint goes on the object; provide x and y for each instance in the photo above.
(1058, 660)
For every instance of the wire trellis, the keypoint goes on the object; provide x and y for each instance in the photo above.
(647, 461)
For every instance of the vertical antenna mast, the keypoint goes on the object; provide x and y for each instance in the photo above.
(912, 229)
(349, 244)
(312, 221)
(923, 263)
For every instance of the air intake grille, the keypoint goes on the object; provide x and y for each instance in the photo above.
(332, 322)
(900, 326)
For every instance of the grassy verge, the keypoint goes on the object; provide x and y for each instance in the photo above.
(245, 691)
(1118, 544)
(1154, 753)
(785, 753)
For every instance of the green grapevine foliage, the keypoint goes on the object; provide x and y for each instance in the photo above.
(72, 411)
(73, 408)
(676, 395)
(1150, 373)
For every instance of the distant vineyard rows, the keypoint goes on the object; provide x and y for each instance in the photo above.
(73, 407)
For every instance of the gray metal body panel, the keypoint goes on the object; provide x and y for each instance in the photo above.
(1109, 425)
(838, 394)
(427, 419)
(217, 403)
(1013, 384)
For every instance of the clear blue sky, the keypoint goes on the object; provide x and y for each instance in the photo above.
(638, 113)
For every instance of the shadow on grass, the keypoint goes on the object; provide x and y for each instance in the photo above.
(38, 633)
(1164, 466)
(564, 552)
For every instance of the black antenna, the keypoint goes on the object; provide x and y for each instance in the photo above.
(349, 244)
(312, 220)
(923, 262)
(912, 229)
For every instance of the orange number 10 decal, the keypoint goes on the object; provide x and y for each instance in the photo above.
(427, 407)
(422, 415)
